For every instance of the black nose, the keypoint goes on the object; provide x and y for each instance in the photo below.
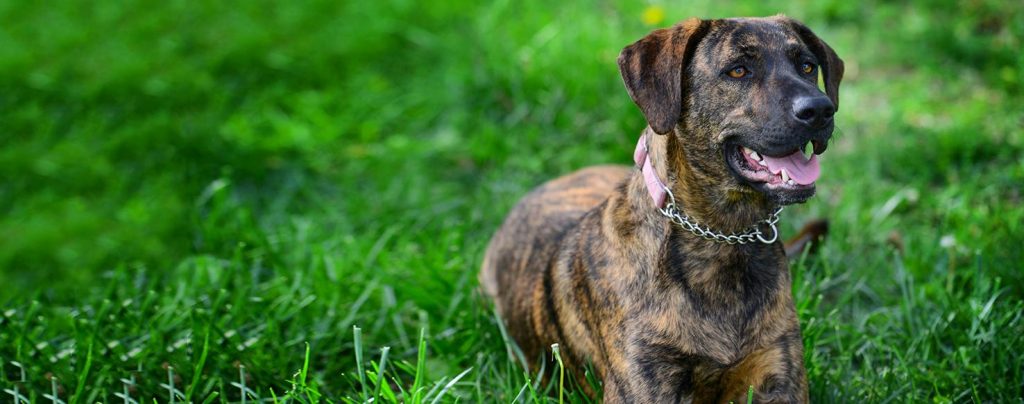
(813, 111)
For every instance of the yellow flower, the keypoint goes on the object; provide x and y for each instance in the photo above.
(653, 15)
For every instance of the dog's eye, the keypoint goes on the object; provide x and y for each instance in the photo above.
(807, 67)
(738, 72)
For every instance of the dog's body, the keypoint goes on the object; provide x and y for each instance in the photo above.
(588, 260)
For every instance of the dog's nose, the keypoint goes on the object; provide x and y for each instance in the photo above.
(813, 111)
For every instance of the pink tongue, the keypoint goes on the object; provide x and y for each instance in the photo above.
(800, 169)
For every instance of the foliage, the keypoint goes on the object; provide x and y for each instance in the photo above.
(207, 197)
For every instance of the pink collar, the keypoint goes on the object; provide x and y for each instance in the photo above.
(659, 191)
(655, 187)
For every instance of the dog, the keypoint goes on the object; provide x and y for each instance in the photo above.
(668, 278)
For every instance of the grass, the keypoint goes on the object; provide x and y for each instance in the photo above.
(292, 200)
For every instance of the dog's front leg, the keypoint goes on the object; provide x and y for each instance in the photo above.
(650, 375)
(620, 390)
(613, 392)
(776, 373)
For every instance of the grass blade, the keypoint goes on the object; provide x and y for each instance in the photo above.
(561, 372)
(197, 372)
(84, 375)
(421, 367)
(381, 368)
(449, 385)
(357, 335)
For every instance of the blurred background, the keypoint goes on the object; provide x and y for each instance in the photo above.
(237, 180)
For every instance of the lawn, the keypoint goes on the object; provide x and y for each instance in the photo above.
(201, 199)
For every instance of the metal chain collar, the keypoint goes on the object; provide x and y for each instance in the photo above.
(676, 216)
(688, 224)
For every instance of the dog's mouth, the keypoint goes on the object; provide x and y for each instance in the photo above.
(786, 178)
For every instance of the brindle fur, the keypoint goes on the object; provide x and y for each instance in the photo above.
(587, 261)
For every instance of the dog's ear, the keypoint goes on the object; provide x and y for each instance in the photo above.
(831, 65)
(652, 69)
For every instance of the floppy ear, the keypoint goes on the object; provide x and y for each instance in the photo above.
(652, 70)
(831, 65)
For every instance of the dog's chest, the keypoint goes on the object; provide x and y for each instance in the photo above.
(712, 308)
(679, 328)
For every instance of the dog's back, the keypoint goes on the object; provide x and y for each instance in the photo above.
(528, 238)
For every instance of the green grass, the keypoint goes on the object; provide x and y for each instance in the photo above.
(293, 199)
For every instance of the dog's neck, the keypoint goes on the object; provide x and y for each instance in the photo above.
(698, 194)
(716, 271)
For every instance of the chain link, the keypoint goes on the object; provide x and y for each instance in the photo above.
(754, 234)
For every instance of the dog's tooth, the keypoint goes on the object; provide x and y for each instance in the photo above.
(807, 151)
(755, 156)
(762, 163)
(785, 175)
(791, 182)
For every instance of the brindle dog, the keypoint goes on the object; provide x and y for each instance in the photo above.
(589, 261)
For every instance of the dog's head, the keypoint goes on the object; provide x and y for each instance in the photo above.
(742, 96)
